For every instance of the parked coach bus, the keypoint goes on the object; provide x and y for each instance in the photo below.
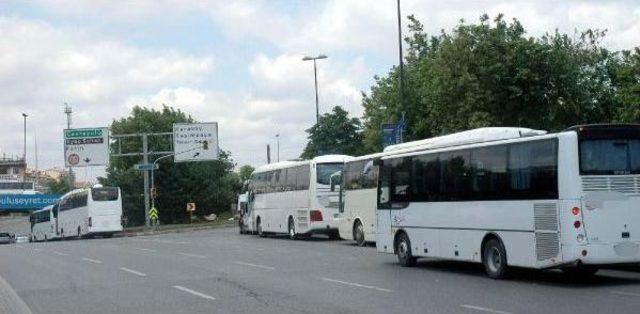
(567, 200)
(294, 197)
(91, 211)
(43, 224)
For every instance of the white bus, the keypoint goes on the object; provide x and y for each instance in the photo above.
(43, 224)
(91, 211)
(294, 197)
(244, 217)
(567, 200)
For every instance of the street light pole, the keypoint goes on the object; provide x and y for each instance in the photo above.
(278, 145)
(24, 149)
(315, 79)
(401, 73)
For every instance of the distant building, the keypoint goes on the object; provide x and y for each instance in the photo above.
(12, 169)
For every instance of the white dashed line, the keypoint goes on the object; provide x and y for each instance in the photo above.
(192, 255)
(483, 309)
(196, 293)
(91, 260)
(60, 253)
(353, 284)
(37, 250)
(632, 294)
(19, 246)
(133, 272)
(255, 265)
(146, 250)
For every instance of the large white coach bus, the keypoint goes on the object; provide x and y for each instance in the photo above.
(567, 200)
(90, 211)
(295, 197)
(43, 224)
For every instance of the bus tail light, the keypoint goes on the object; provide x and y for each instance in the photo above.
(89, 221)
(315, 215)
(575, 211)
(577, 224)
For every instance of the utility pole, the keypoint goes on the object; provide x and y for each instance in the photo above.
(145, 160)
(68, 111)
(268, 154)
(401, 74)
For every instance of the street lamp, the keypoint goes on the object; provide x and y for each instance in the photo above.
(315, 77)
(24, 150)
(278, 142)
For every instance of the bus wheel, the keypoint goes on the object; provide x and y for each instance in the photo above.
(358, 234)
(494, 258)
(259, 229)
(292, 229)
(403, 250)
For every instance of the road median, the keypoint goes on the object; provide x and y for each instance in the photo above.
(176, 228)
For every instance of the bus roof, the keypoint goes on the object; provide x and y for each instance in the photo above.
(332, 158)
(281, 165)
(467, 137)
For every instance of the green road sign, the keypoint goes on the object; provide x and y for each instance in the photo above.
(153, 213)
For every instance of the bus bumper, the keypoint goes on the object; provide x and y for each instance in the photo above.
(606, 253)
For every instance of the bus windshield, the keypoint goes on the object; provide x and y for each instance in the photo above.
(610, 156)
(324, 172)
(104, 194)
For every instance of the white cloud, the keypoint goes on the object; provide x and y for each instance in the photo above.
(43, 66)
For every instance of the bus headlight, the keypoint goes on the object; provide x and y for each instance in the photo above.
(580, 238)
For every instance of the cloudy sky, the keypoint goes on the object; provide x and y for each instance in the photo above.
(235, 62)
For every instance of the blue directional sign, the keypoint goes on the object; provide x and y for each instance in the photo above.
(20, 202)
(146, 167)
(391, 133)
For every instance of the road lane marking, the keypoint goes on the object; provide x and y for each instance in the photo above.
(196, 293)
(192, 255)
(133, 271)
(37, 250)
(255, 265)
(146, 250)
(60, 253)
(19, 246)
(626, 293)
(353, 284)
(91, 260)
(483, 309)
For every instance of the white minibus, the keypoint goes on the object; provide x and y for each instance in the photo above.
(567, 200)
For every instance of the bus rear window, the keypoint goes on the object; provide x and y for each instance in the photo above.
(610, 156)
(104, 194)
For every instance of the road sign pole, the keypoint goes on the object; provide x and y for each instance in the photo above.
(145, 160)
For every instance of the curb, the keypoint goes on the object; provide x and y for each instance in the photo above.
(177, 230)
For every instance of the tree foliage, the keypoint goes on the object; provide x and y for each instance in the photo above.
(335, 133)
(212, 185)
(492, 74)
(245, 172)
(60, 186)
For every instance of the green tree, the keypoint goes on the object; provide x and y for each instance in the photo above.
(245, 172)
(492, 74)
(335, 133)
(60, 186)
(628, 82)
(212, 185)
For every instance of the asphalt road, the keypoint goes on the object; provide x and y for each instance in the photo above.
(220, 271)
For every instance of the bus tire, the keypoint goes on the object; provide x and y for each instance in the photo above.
(403, 250)
(358, 234)
(259, 228)
(494, 259)
(292, 229)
